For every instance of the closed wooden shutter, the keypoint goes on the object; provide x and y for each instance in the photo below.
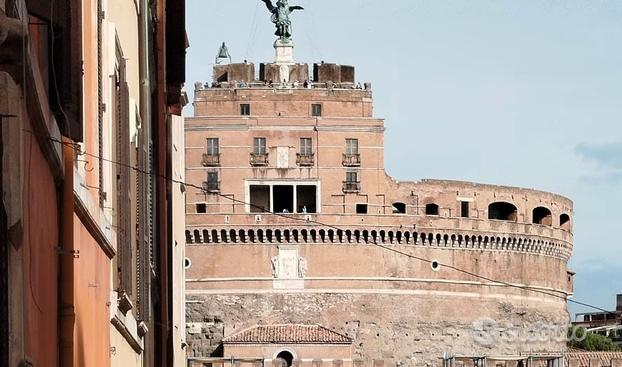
(143, 215)
(124, 236)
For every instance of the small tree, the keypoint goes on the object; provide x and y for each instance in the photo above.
(580, 338)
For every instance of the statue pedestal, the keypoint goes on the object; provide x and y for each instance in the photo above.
(284, 52)
(284, 58)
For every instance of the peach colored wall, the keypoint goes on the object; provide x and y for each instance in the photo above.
(91, 284)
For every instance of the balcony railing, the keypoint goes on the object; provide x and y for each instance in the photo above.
(305, 160)
(351, 186)
(211, 160)
(351, 160)
(211, 186)
(259, 159)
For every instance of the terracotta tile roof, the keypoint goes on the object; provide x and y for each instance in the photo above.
(287, 334)
(585, 356)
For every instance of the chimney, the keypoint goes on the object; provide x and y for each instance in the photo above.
(619, 303)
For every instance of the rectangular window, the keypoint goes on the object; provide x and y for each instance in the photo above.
(316, 110)
(212, 177)
(259, 145)
(306, 146)
(213, 185)
(351, 177)
(213, 146)
(361, 208)
(201, 208)
(352, 146)
(245, 109)
(464, 209)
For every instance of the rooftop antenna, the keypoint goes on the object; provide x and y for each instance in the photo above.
(223, 54)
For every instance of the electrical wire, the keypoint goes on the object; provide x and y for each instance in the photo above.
(77, 147)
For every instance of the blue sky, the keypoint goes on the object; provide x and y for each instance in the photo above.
(524, 93)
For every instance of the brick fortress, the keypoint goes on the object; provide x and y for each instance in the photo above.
(302, 141)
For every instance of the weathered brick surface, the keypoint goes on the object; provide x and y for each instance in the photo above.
(395, 329)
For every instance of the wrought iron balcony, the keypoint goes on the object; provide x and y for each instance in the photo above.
(305, 160)
(211, 186)
(211, 160)
(351, 186)
(259, 159)
(351, 160)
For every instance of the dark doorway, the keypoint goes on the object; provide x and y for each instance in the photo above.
(361, 208)
(283, 199)
(305, 199)
(286, 357)
(260, 199)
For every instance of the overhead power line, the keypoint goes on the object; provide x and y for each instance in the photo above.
(534, 289)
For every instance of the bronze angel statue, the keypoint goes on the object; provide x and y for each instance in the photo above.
(280, 17)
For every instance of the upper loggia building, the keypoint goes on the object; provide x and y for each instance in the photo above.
(301, 246)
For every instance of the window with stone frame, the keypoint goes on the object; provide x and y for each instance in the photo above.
(352, 146)
(213, 146)
(306, 146)
(259, 146)
(245, 109)
(316, 110)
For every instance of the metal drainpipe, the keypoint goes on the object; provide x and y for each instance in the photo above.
(145, 116)
(145, 83)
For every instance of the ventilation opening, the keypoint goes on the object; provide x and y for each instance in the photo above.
(431, 209)
(564, 222)
(435, 265)
(201, 208)
(283, 199)
(361, 208)
(286, 358)
(502, 211)
(542, 215)
(260, 199)
(305, 199)
(399, 208)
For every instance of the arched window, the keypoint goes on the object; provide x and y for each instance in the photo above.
(542, 215)
(286, 358)
(431, 209)
(503, 211)
(564, 222)
(399, 208)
